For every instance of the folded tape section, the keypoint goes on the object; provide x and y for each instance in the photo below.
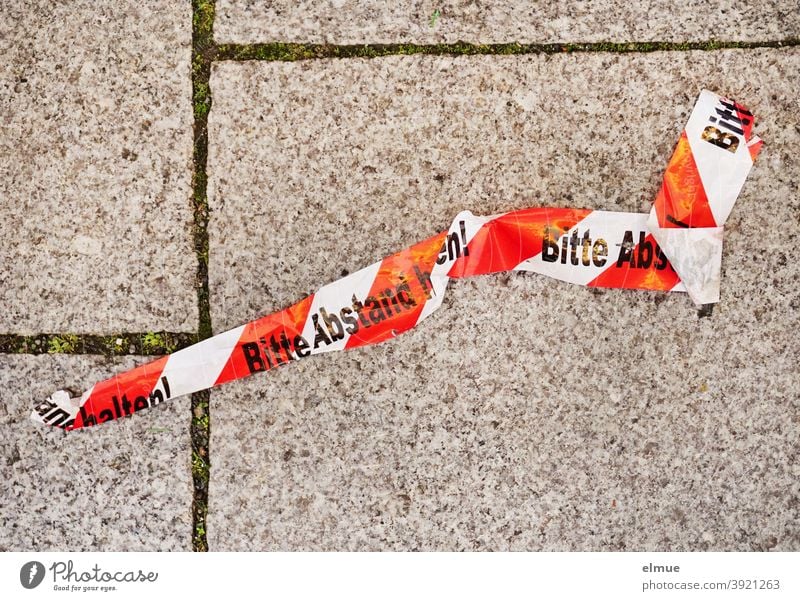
(676, 247)
(703, 179)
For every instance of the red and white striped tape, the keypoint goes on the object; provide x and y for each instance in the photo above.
(703, 179)
(591, 248)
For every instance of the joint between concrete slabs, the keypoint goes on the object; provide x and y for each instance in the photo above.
(109, 345)
(203, 52)
(282, 51)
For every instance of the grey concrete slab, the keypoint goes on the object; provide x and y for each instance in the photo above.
(372, 21)
(125, 486)
(526, 413)
(95, 167)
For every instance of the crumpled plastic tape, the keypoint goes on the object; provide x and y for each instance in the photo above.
(676, 247)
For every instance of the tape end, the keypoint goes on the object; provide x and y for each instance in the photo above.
(59, 410)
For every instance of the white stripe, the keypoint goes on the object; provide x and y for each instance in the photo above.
(85, 397)
(333, 297)
(609, 226)
(722, 172)
(60, 400)
(198, 367)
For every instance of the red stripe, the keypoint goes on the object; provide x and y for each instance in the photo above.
(119, 396)
(629, 275)
(283, 325)
(682, 200)
(406, 268)
(746, 118)
(755, 149)
(507, 241)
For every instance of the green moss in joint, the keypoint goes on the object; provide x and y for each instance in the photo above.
(202, 102)
(203, 15)
(200, 431)
(117, 345)
(282, 51)
(156, 344)
(67, 343)
(199, 467)
(204, 52)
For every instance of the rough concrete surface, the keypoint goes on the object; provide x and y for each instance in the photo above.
(95, 167)
(525, 413)
(360, 21)
(124, 486)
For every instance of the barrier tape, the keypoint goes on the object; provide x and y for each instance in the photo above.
(676, 247)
